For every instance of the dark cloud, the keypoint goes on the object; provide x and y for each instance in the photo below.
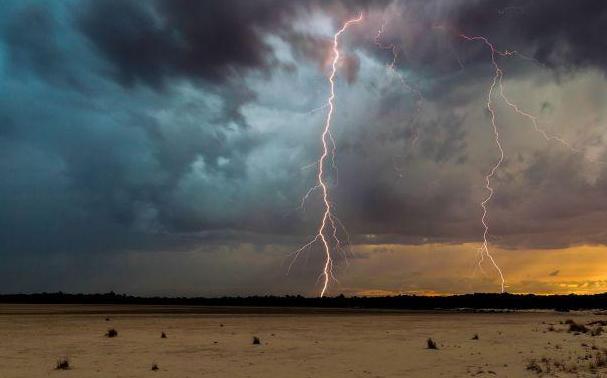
(561, 34)
(152, 41)
(564, 36)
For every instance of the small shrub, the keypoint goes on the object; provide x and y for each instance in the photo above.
(475, 337)
(155, 367)
(163, 335)
(111, 333)
(256, 340)
(575, 327)
(534, 367)
(596, 331)
(600, 359)
(62, 364)
(431, 344)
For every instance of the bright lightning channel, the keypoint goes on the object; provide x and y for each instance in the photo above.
(497, 81)
(497, 78)
(328, 226)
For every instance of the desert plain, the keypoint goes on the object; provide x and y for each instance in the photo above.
(218, 342)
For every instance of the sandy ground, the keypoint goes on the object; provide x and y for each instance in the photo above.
(218, 343)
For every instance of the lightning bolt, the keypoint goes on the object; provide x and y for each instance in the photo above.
(532, 118)
(327, 233)
(497, 80)
(392, 68)
(392, 47)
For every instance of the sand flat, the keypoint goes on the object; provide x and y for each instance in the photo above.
(294, 343)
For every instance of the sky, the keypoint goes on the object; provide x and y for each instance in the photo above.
(164, 147)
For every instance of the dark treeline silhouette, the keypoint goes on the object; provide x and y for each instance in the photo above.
(402, 302)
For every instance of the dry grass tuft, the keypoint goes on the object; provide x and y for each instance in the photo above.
(597, 331)
(534, 367)
(62, 364)
(431, 344)
(575, 327)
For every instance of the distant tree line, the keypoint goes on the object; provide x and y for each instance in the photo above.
(477, 301)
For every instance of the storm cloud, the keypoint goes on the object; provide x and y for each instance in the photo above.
(187, 128)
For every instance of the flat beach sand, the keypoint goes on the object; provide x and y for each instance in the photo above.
(217, 342)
